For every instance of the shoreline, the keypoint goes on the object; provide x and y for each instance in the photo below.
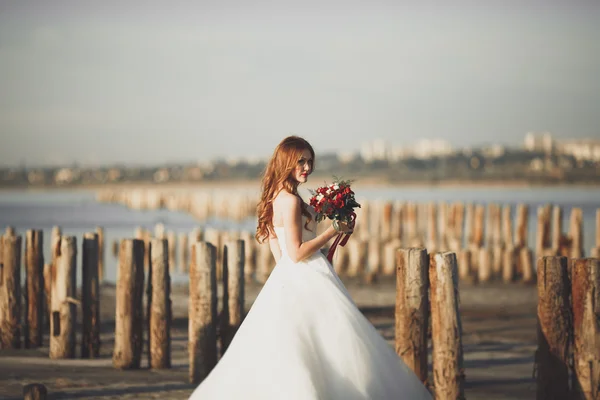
(255, 184)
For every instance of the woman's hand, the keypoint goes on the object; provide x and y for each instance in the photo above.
(343, 226)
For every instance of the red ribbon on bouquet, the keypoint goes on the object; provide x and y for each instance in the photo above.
(339, 240)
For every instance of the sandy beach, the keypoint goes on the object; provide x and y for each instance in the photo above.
(499, 341)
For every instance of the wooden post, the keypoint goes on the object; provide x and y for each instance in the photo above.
(35, 391)
(576, 233)
(127, 353)
(412, 309)
(373, 260)
(484, 272)
(442, 226)
(469, 224)
(389, 256)
(172, 246)
(543, 231)
(526, 263)
(507, 230)
(386, 221)
(465, 270)
(554, 328)
(90, 296)
(585, 276)
(357, 257)
(10, 293)
(202, 311)
(446, 328)
(63, 304)
(556, 229)
(478, 230)
(432, 227)
(598, 228)
(47, 294)
(234, 251)
(184, 254)
(249, 256)
(34, 299)
(159, 317)
(101, 252)
(508, 264)
(521, 228)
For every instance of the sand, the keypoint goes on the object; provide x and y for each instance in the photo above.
(499, 341)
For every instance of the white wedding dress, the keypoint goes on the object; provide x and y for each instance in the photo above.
(305, 339)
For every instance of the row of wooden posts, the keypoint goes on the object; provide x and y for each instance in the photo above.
(439, 226)
(567, 358)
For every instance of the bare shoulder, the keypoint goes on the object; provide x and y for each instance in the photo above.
(286, 200)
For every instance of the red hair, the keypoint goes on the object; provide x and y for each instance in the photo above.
(278, 173)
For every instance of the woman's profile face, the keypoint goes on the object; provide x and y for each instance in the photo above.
(303, 167)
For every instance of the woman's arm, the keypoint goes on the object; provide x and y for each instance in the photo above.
(275, 249)
(292, 225)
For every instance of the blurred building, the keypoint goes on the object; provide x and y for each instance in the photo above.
(580, 149)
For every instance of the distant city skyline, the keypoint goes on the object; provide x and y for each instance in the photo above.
(149, 83)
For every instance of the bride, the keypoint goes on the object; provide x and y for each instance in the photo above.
(304, 338)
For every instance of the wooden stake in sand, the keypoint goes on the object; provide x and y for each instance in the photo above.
(34, 286)
(90, 297)
(412, 309)
(63, 308)
(446, 328)
(202, 345)
(129, 313)
(100, 232)
(554, 328)
(585, 276)
(234, 253)
(159, 305)
(10, 293)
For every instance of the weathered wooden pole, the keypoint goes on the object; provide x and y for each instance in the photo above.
(129, 319)
(478, 226)
(90, 296)
(172, 246)
(446, 327)
(249, 256)
(202, 346)
(10, 293)
(442, 226)
(465, 269)
(101, 252)
(576, 233)
(484, 262)
(507, 230)
(35, 391)
(160, 315)
(432, 227)
(34, 299)
(596, 249)
(526, 263)
(556, 229)
(521, 227)
(47, 294)
(412, 309)
(357, 257)
(554, 328)
(63, 304)
(585, 281)
(373, 260)
(469, 230)
(183, 250)
(386, 220)
(542, 237)
(234, 254)
(508, 264)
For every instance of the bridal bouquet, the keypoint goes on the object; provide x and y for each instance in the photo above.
(336, 202)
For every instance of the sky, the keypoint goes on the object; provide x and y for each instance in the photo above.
(153, 82)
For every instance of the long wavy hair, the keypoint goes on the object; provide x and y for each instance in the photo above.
(279, 174)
